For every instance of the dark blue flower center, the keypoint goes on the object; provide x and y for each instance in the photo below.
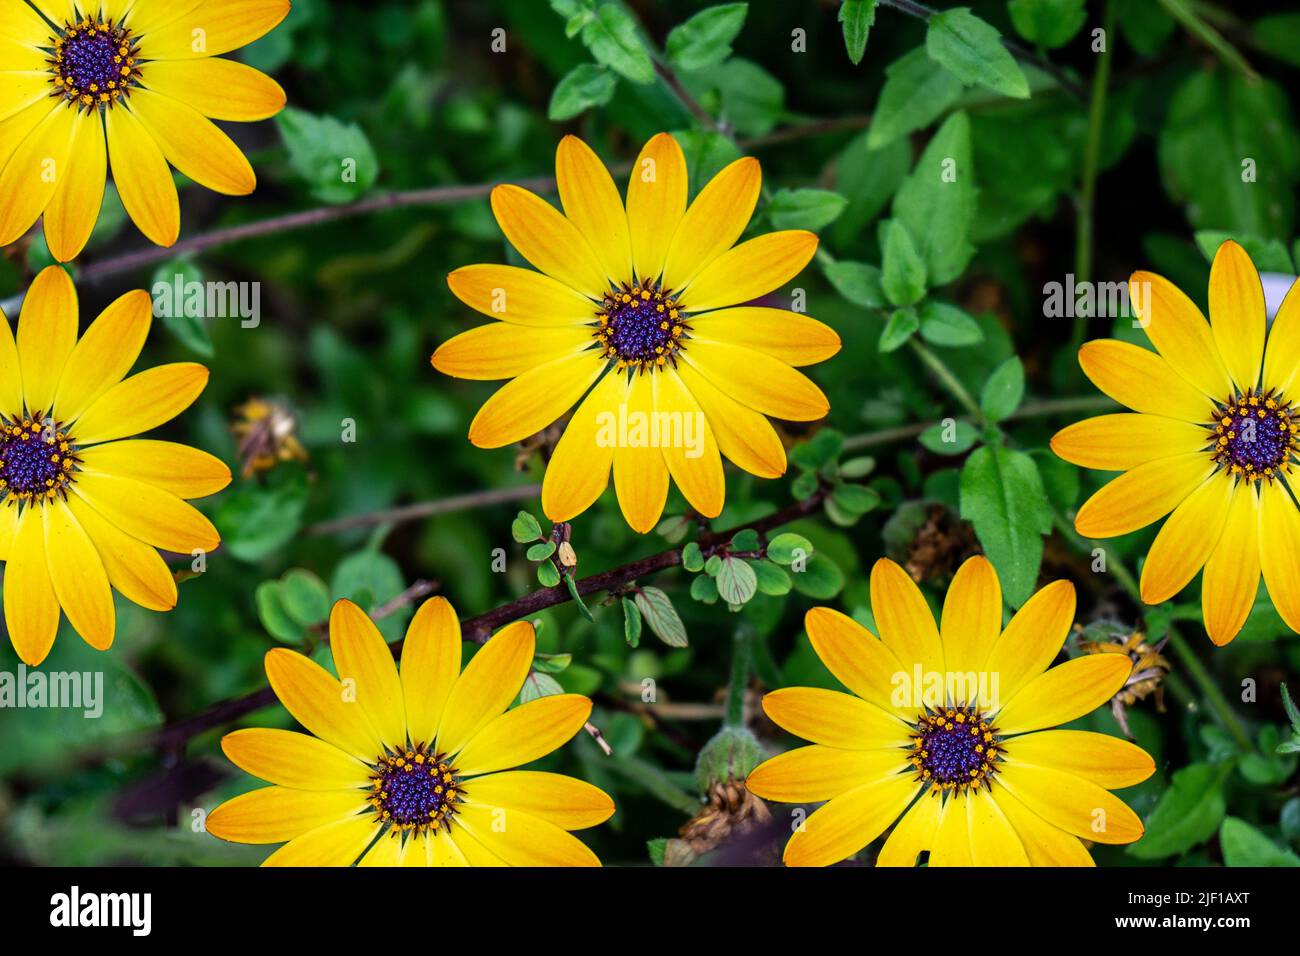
(413, 789)
(954, 747)
(1255, 435)
(640, 326)
(93, 63)
(36, 459)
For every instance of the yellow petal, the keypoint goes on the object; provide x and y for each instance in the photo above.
(335, 844)
(31, 608)
(952, 837)
(487, 686)
(765, 384)
(294, 760)
(849, 822)
(972, 616)
(578, 471)
(277, 814)
(1237, 313)
(47, 332)
(26, 83)
(549, 241)
(750, 270)
(1282, 354)
(148, 16)
(713, 222)
(78, 576)
(504, 350)
(1179, 332)
(1279, 552)
(1065, 692)
(859, 661)
(154, 516)
(1126, 440)
(20, 23)
(468, 849)
(104, 355)
(388, 850)
(362, 657)
(1105, 760)
(791, 337)
(904, 619)
(1045, 844)
(74, 206)
(8, 525)
(993, 840)
(1071, 803)
(37, 168)
(321, 704)
(142, 402)
(834, 719)
(914, 834)
(521, 839)
(143, 179)
(520, 296)
(591, 202)
(1033, 638)
(430, 666)
(524, 734)
(656, 200)
(15, 130)
(1231, 579)
(185, 472)
(218, 88)
(222, 25)
(193, 144)
(1142, 495)
(563, 801)
(133, 567)
(691, 453)
(1184, 543)
(1142, 380)
(11, 376)
(815, 773)
(743, 435)
(527, 404)
(444, 851)
(640, 474)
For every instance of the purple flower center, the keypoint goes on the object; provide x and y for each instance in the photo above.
(36, 459)
(413, 789)
(640, 326)
(1255, 435)
(954, 747)
(94, 63)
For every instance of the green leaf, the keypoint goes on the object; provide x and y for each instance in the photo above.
(692, 558)
(657, 609)
(752, 99)
(772, 578)
(1002, 497)
(705, 39)
(937, 202)
(1003, 390)
(1192, 21)
(552, 663)
(704, 589)
(583, 87)
(1278, 35)
(255, 520)
(547, 575)
(746, 540)
(612, 37)
(820, 580)
(901, 326)
(271, 612)
(1188, 814)
(525, 528)
(1047, 23)
(371, 578)
(944, 324)
(541, 551)
(335, 159)
(972, 51)
(903, 271)
(949, 438)
(1292, 712)
(1268, 255)
(868, 179)
(811, 209)
(818, 451)
(631, 622)
(539, 685)
(1243, 845)
(856, 18)
(858, 282)
(305, 597)
(736, 580)
(184, 316)
(789, 547)
(917, 91)
(856, 500)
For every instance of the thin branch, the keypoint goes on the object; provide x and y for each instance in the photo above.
(426, 509)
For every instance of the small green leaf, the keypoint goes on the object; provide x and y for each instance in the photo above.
(692, 558)
(856, 500)
(947, 325)
(182, 313)
(541, 551)
(657, 609)
(305, 597)
(705, 39)
(818, 451)
(772, 578)
(525, 528)
(917, 91)
(552, 663)
(858, 467)
(858, 282)
(1002, 496)
(335, 159)
(1243, 845)
(972, 51)
(811, 209)
(950, 437)
(1047, 23)
(547, 574)
(746, 540)
(737, 582)
(583, 87)
(631, 622)
(1188, 813)
(821, 579)
(856, 18)
(704, 589)
(902, 325)
(788, 548)
(1003, 390)
(903, 271)
(572, 585)
(271, 612)
(539, 685)
(612, 37)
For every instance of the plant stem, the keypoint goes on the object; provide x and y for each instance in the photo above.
(1091, 160)
(426, 509)
(949, 380)
(742, 655)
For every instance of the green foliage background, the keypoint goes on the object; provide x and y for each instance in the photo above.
(937, 292)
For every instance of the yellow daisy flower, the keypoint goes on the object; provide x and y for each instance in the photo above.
(638, 306)
(945, 733)
(412, 768)
(81, 510)
(1212, 438)
(132, 84)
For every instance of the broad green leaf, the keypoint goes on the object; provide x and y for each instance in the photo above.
(736, 581)
(1188, 814)
(868, 179)
(537, 685)
(951, 438)
(937, 202)
(1003, 390)
(972, 51)
(772, 578)
(705, 39)
(856, 18)
(821, 579)
(902, 325)
(902, 274)
(1002, 497)
(1243, 845)
(1047, 23)
(271, 612)
(858, 282)
(174, 283)
(811, 209)
(631, 622)
(917, 91)
(305, 597)
(944, 324)
(583, 87)
(525, 528)
(1268, 255)
(657, 609)
(333, 158)
(371, 579)
(612, 37)
(788, 548)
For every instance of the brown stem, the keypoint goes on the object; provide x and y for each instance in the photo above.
(425, 509)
